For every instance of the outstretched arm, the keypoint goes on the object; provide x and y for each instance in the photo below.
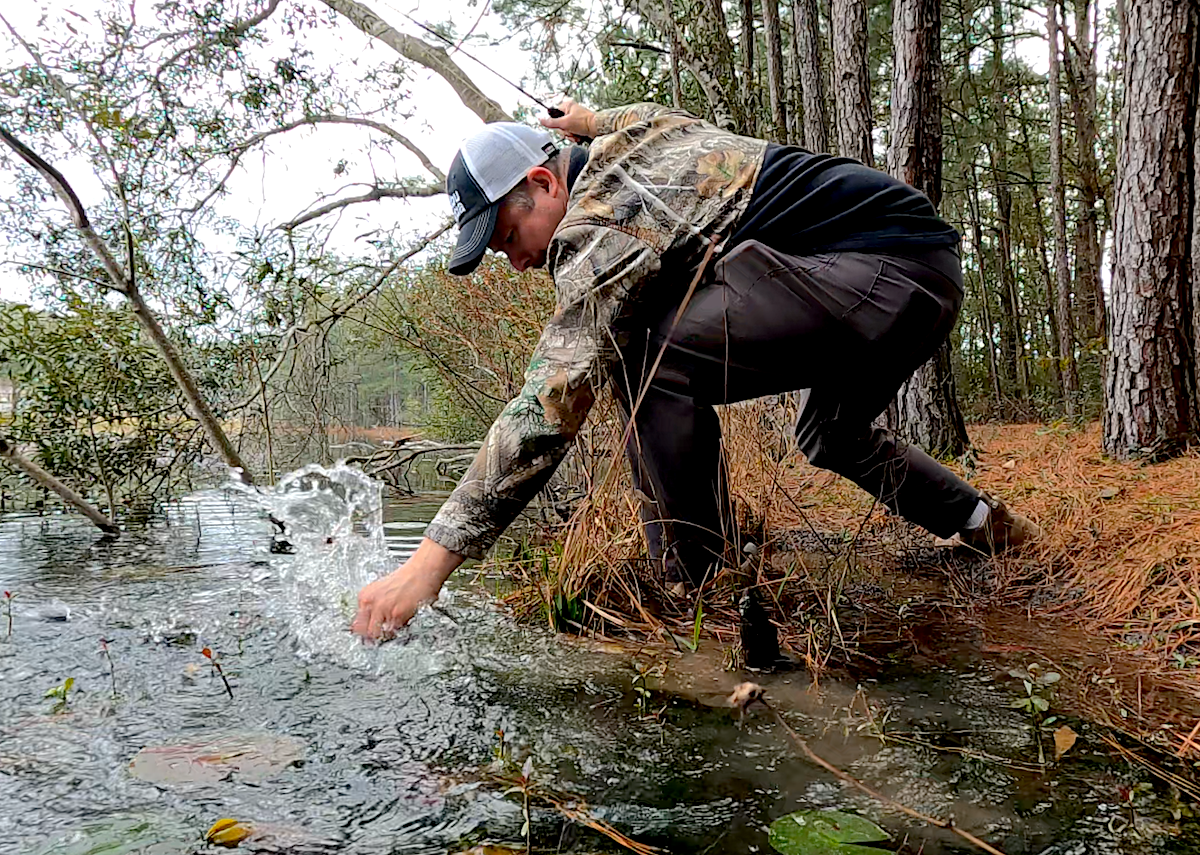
(389, 603)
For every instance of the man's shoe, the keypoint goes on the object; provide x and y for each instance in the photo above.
(1001, 531)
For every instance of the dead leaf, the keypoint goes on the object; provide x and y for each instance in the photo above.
(228, 832)
(1009, 464)
(1064, 738)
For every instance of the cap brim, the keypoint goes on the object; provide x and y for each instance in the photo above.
(473, 240)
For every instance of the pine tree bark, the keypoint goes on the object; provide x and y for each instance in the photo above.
(777, 86)
(926, 407)
(1080, 61)
(1150, 384)
(815, 136)
(852, 89)
(747, 57)
(1058, 203)
(1012, 362)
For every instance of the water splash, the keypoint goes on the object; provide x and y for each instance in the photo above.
(334, 519)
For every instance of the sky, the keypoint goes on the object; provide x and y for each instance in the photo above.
(295, 171)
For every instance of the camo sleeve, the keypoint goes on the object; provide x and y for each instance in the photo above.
(618, 118)
(597, 270)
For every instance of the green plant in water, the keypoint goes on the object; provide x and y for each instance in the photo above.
(825, 832)
(61, 695)
(523, 789)
(694, 644)
(1038, 690)
(112, 669)
(502, 751)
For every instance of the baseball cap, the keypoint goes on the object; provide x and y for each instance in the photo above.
(489, 164)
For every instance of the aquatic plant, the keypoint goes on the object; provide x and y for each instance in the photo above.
(212, 658)
(823, 832)
(1038, 690)
(522, 787)
(61, 694)
(112, 669)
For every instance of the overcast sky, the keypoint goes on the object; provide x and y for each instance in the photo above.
(292, 172)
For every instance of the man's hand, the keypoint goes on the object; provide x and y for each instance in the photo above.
(389, 603)
(576, 122)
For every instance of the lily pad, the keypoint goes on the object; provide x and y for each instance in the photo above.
(124, 835)
(824, 832)
(251, 757)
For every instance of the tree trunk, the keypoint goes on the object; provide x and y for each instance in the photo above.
(432, 57)
(42, 478)
(985, 309)
(852, 89)
(708, 54)
(1011, 351)
(1058, 203)
(1150, 383)
(676, 77)
(926, 410)
(773, 41)
(1042, 252)
(747, 57)
(1080, 58)
(809, 76)
(124, 283)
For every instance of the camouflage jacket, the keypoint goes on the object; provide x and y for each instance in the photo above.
(659, 187)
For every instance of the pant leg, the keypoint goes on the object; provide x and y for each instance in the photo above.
(849, 326)
(902, 476)
(677, 462)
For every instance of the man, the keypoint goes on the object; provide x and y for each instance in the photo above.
(696, 267)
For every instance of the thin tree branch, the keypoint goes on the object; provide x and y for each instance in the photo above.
(373, 195)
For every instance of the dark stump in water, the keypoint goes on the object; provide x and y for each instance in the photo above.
(760, 638)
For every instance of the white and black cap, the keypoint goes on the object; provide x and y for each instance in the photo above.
(489, 164)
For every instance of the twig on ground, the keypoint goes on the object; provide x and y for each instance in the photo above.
(747, 694)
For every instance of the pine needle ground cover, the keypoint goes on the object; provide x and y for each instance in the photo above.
(1110, 597)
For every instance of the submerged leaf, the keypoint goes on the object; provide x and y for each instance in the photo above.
(1064, 739)
(824, 832)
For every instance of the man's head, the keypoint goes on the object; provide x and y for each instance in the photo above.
(508, 191)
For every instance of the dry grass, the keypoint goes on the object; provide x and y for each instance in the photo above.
(1117, 575)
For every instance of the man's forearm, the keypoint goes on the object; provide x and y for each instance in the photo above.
(433, 561)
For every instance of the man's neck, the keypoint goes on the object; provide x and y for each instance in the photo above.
(577, 159)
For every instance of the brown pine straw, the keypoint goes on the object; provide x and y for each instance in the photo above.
(1118, 566)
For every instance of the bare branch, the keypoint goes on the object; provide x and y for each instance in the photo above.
(434, 58)
(234, 32)
(42, 478)
(241, 148)
(373, 195)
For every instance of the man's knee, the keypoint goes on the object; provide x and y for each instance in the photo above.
(839, 447)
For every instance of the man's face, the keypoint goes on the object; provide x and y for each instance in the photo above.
(524, 234)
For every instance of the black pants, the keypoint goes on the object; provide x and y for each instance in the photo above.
(848, 328)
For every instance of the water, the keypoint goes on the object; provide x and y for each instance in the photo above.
(327, 745)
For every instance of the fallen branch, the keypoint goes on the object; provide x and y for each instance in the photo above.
(9, 452)
(747, 694)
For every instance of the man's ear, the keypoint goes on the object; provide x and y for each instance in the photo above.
(542, 178)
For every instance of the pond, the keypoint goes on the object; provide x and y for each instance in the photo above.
(326, 745)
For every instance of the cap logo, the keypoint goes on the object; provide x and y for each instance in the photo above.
(457, 206)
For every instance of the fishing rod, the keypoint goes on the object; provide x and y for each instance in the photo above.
(553, 112)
